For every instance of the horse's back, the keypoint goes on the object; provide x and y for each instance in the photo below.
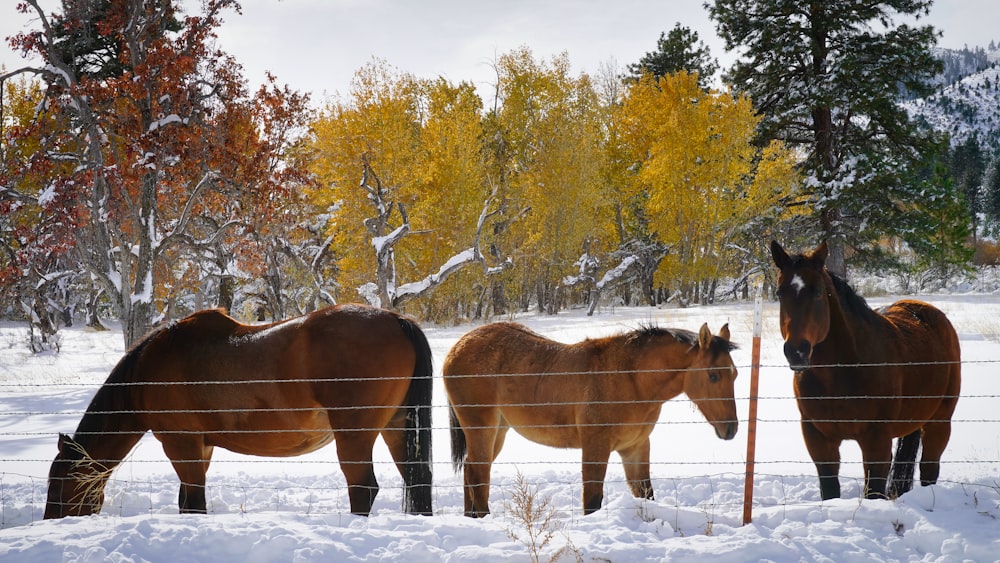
(924, 331)
(499, 348)
(923, 359)
(304, 376)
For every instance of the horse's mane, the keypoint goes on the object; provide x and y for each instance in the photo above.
(850, 301)
(651, 330)
(116, 393)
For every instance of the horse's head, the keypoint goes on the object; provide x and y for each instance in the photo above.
(76, 482)
(802, 295)
(710, 379)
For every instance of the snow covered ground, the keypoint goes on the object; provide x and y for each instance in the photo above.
(296, 509)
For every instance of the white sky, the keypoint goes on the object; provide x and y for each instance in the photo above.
(317, 45)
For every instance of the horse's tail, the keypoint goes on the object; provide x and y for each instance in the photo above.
(417, 468)
(903, 464)
(458, 444)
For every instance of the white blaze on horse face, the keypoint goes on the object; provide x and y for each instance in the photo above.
(798, 283)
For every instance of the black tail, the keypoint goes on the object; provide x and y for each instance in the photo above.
(903, 464)
(458, 445)
(417, 469)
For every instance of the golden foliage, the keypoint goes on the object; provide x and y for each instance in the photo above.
(666, 161)
(694, 155)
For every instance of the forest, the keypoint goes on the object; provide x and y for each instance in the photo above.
(144, 179)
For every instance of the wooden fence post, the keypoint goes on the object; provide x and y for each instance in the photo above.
(758, 313)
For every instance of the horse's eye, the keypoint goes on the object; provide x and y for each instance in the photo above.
(713, 377)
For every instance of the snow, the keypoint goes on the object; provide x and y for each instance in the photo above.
(296, 509)
(449, 267)
(964, 109)
(617, 272)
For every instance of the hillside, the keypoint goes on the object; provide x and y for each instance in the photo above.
(968, 103)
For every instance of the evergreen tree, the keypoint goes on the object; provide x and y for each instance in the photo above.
(991, 194)
(827, 77)
(679, 50)
(966, 168)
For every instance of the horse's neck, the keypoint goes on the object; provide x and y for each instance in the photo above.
(107, 435)
(841, 344)
(662, 384)
(105, 451)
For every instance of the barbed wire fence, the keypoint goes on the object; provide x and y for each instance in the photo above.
(696, 483)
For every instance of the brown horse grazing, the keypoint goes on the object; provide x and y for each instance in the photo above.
(600, 395)
(866, 375)
(346, 373)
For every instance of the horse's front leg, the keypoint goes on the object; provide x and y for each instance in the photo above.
(354, 449)
(595, 467)
(825, 453)
(635, 460)
(876, 451)
(190, 458)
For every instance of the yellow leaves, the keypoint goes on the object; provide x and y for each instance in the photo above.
(668, 162)
(694, 153)
(422, 140)
(551, 126)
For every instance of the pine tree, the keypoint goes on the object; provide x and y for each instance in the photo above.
(966, 168)
(827, 77)
(679, 50)
(991, 194)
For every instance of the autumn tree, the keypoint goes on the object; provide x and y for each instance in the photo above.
(38, 279)
(399, 168)
(142, 94)
(699, 176)
(545, 150)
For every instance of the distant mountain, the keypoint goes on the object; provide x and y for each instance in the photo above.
(959, 63)
(968, 101)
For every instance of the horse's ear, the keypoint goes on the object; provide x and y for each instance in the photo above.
(724, 332)
(819, 255)
(704, 337)
(63, 439)
(778, 254)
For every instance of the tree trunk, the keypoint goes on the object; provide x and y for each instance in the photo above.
(227, 291)
(836, 261)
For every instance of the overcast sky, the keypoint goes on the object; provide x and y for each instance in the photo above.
(317, 45)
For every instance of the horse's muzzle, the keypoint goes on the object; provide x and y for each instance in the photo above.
(727, 430)
(798, 356)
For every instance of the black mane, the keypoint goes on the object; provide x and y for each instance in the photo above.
(650, 330)
(115, 395)
(850, 301)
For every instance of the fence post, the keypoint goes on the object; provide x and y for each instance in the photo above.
(758, 313)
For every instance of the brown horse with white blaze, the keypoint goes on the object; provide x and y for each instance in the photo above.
(347, 373)
(866, 375)
(599, 395)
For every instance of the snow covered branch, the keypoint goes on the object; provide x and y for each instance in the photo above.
(384, 292)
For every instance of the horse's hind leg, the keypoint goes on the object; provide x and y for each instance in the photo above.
(394, 435)
(635, 460)
(484, 433)
(190, 458)
(354, 449)
(936, 436)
